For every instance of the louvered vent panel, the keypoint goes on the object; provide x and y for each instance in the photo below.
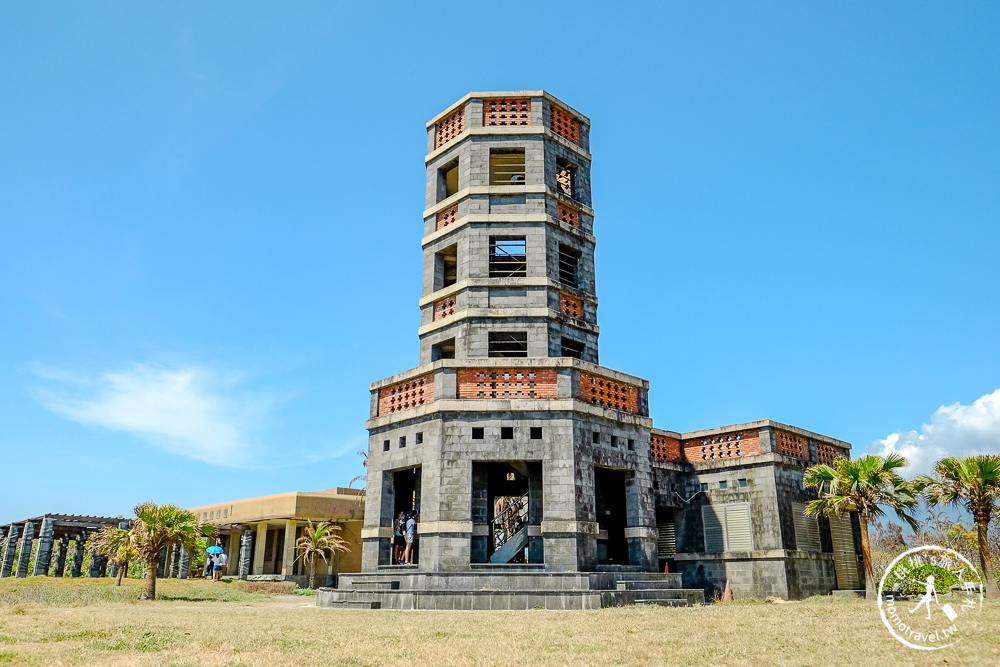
(806, 529)
(666, 539)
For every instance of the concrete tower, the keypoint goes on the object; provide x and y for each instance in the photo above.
(516, 448)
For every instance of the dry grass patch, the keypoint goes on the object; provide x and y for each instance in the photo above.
(290, 631)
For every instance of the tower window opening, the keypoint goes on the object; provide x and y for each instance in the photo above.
(506, 432)
(631, 445)
(447, 180)
(508, 344)
(508, 257)
(446, 267)
(443, 350)
(536, 432)
(402, 441)
(597, 437)
(572, 348)
(385, 445)
(614, 441)
(569, 265)
(478, 433)
(566, 177)
(507, 166)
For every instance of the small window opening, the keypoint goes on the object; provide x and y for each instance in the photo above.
(566, 177)
(704, 486)
(597, 437)
(506, 432)
(419, 438)
(508, 344)
(478, 433)
(536, 432)
(448, 180)
(631, 445)
(569, 264)
(507, 166)
(508, 257)
(402, 441)
(742, 483)
(511, 477)
(443, 350)
(446, 267)
(723, 485)
(385, 445)
(572, 348)
(614, 441)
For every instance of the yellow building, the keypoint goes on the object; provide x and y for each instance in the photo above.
(274, 523)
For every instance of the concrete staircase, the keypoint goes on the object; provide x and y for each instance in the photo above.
(499, 588)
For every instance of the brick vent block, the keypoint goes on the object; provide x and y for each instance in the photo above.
(571, 306)
(447, 217)
(789, 444)
(607, 393)
(664, 448)
(449, 128)
(511, 383)
(406, 395)
(444, 308)
(827, 453)
(569, 216)
(498, 113)
(565, 125)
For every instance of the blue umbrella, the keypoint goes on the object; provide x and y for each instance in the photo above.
(214, 550)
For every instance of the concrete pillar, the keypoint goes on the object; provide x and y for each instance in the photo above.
(98, 565)
(175, 561)
(10, 545)
(62, 547)
(183, 563)
(161, 564)
(258, 553)
(288, 557)
(44, 558)
(24, 553)
(77, 568)
(246, 554)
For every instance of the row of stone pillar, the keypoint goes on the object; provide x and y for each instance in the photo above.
(47, 548)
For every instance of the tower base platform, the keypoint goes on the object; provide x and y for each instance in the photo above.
(504, 588)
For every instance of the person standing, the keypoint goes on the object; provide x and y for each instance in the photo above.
(219, 563)
(398, 543)
(208, 566)
(410, 535)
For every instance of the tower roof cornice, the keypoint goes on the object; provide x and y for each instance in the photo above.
(505, 94)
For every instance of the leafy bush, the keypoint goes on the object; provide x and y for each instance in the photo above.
(911, 578)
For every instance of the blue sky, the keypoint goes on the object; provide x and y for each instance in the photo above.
(210, 224)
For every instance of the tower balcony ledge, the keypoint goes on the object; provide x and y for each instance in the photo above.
(540, 281)
(531, 219)
(519, 314)
(513, 130)
(511, 362)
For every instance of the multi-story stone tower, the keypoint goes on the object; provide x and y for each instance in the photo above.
(508, 438)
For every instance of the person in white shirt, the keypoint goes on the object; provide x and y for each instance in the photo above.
(219, 565)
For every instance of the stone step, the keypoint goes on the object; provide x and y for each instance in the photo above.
(353, 604)
(637, 584)
(662, 603)
(375, 584)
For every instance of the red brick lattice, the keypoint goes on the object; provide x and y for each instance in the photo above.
(405, 395)
(571, 306)
(664, 448)
(565, 125)
(507, 383)
(827, 453)
(607, 393)
(722, 446)
(792, 445)
(449, 128)
(444, 308)
(569, 216)
(447, 217)
(497, 113)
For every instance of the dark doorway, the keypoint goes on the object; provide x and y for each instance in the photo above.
(406, 499)
(609, 497)
(506, 500)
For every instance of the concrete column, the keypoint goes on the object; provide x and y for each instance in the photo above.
(44, 558)
(62, 547)
(288, 557)
(246, 554)
(183, 563)
(10, 545)
(24, 553)
(258, 552)
(77, 568)
(98, 564)
(161, 564)
(175, 561)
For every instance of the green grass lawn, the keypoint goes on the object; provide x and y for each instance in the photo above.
(87, 622)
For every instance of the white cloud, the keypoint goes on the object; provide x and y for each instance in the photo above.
(183, 410)
(955, 430)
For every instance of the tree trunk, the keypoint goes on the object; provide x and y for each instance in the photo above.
(312, 571)
(871, 593)
(989, 578)
(149, 590)
(122, 567)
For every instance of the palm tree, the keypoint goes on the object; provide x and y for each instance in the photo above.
(864, 486)
(972, 482)
(319, 540)
(119, 545)
(159, 527)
